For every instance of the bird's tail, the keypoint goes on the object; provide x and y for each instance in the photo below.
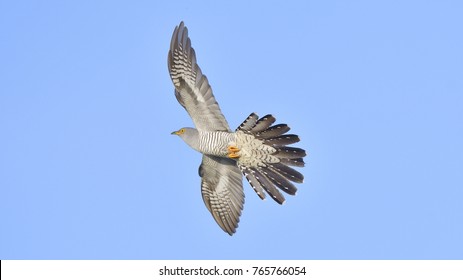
(272, 169)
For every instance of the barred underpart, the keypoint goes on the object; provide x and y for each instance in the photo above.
(266, 159)
(215, 142)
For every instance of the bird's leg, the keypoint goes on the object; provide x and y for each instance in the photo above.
(233, 151)
(233, 155)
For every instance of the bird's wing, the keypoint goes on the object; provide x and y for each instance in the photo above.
(222, 191)
(192, 88)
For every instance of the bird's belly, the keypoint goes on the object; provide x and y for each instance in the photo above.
(216, 143)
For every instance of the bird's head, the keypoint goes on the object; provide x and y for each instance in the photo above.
(179, 132)
(188, 134)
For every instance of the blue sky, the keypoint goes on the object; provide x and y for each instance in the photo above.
(89, 170)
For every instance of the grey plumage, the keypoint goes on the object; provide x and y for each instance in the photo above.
(257, 149)
(192, 88)
(220, 176)
(222, 192)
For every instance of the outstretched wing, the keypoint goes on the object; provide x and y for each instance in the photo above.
(192, 88)
(222, 190)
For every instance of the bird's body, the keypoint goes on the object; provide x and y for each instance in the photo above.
(252, 151)
(257, 149)
(215, 143)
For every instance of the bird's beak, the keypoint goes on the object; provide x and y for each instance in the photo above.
(174, 133)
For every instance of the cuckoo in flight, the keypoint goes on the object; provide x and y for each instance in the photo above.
(257, 149)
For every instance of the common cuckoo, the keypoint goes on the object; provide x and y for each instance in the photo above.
(257, 149)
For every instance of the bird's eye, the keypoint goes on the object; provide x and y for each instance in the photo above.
(182, 131)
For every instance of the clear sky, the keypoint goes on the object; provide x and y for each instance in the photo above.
(89, 170)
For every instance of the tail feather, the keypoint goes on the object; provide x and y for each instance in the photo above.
(248, 123)
(290, 152)
(268, 186)
(282, 140)
(281, 182)
(273, 170)
(288, 172)
(263, 124)
(256, 185)
(299, 162)
(273, 131)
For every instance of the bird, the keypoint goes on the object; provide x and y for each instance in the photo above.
(258, 149)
